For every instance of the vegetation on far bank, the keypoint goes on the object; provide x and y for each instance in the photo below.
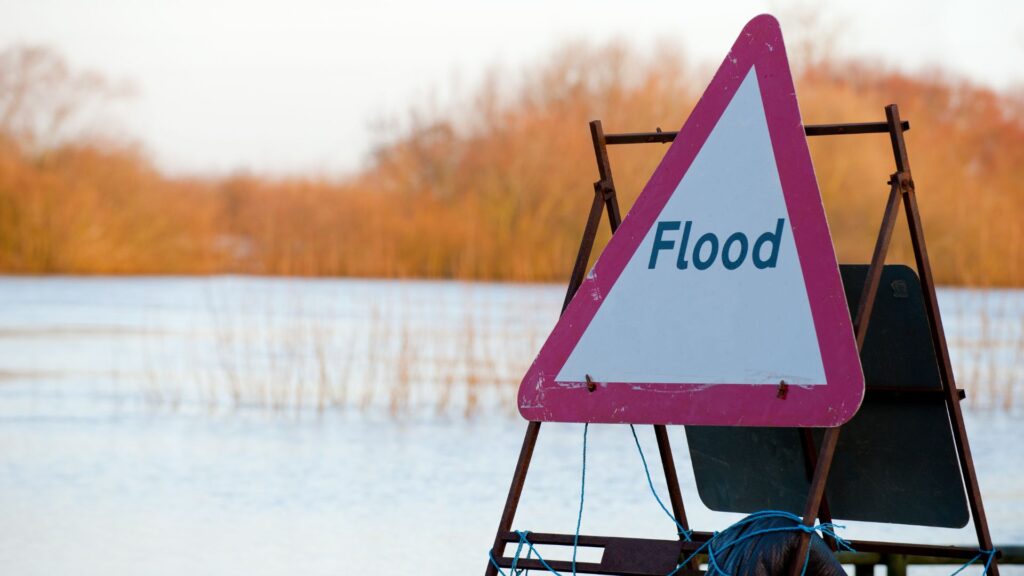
(497, 187)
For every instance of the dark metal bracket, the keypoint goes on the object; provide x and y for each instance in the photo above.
(649, 557)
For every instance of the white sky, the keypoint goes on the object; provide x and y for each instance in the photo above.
(295, 86)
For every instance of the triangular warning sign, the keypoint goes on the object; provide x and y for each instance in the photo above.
(720, 285)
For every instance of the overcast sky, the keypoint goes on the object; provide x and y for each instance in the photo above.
(288, 87)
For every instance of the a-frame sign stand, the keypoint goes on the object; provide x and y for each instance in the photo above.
(648, 557)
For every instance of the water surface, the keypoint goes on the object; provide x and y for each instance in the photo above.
(267, 426)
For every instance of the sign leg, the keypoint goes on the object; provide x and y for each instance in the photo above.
(817, 493)
(810, 463)
(508, 515)
(668, 463)
(931, 303)
(860, 327)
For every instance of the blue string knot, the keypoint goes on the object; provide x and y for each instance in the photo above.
(991, 554)
(531, 551)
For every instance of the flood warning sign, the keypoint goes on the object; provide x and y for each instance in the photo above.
(720, 284)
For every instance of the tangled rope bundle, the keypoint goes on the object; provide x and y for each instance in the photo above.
(739, 547)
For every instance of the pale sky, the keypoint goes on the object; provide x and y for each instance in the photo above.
(293, 87)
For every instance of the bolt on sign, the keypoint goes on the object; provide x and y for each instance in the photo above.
(718, 301)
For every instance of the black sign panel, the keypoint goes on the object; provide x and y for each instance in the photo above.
(895, 461)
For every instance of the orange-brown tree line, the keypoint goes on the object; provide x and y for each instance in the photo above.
(499, 186)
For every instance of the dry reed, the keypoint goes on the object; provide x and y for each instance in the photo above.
(464, 360)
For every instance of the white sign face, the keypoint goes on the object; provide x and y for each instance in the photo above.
(718, 301)
(715, 293)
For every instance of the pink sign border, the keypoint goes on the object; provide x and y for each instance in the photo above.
(828, 404)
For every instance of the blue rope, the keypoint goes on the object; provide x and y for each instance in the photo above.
(686, 534)
(714, 569)
(827, 529)
(515, 559)
(519, 549)
(991, 556)
(583, 484)
(529, 554)
(576, 538)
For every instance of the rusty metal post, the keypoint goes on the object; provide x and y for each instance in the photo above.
(931, 303)
(604, 169)
(816, 494)
(809, 452)
(668, 464)
(508, 515)
(579, 268)
(604, 197)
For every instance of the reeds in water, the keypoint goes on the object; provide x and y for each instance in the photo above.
(459, 350)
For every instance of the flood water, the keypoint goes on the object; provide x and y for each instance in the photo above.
(270, 426)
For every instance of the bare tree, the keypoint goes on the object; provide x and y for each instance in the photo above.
(813, 32)
(44, 102)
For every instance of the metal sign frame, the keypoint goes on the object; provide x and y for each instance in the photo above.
(652, 557)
